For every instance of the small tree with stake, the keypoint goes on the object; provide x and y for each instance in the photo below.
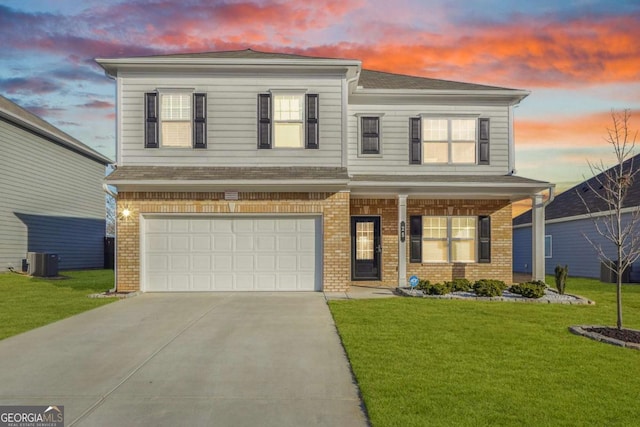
(615, 221)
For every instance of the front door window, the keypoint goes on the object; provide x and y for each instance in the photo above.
(366, 248)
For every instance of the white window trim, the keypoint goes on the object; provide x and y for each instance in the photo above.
(550, 254)
(173, 90)
(281, 92)
(448, 117)
(359, 117)
(449, 239)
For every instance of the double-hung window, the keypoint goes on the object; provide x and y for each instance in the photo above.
(288, 120)
(448, 140)
(175, 119)
(369, 134)
(450, 239)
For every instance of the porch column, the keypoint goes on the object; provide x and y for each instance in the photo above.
(537, 237)
(402, 235)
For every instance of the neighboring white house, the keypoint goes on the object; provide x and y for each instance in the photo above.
(51, 196)
(567, 224)
(245, 170)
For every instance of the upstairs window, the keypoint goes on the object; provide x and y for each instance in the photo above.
(175, 119)
(369, 135)
(448, 141)
(288, 119)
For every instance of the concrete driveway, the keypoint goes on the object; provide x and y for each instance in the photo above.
(221, 359)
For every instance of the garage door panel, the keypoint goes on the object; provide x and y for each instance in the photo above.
(201, 262)
(201, 282)
(231, 253)
(223, 242)
(201, 243)
(265, 243)
(223, 263)
(179, 225)
(179, 243)
(179, 263)
(244, 243)
(200, 226)
(179, 282)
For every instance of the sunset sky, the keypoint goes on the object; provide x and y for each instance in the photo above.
(579, 58)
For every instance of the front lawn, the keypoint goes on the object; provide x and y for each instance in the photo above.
(447, 362)
(27, 303)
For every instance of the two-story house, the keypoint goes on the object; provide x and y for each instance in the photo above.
(244, 170)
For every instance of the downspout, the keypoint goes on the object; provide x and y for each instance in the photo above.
(107, 190)
(345, 117)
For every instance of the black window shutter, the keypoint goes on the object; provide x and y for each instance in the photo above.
(483, 141)
(484, 239)
(199, 120)
(311, 132)
(370, 128)
(415, 141)
(264, 120)
(415, 247)
(151, 120)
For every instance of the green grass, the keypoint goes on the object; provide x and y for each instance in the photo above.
(468, 363)
(27, 303)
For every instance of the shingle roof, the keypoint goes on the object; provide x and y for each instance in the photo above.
(569, 203)
(203, 173)
(370, 79)
(452, 179)
(240, 54)
(18, 115)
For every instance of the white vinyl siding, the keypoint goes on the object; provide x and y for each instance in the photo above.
(231, 120)
(395, 143)
(50, 198)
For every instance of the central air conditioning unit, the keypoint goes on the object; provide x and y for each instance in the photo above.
(42, 264)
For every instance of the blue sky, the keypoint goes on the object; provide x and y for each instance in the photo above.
(580, 59)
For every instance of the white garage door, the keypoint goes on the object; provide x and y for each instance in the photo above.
(231, 254)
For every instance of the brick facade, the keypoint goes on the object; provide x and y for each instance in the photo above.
(336, 210)
(501, 242)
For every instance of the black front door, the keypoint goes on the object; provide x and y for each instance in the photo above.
(366, 248)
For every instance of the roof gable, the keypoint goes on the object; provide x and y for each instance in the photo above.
(569, 203)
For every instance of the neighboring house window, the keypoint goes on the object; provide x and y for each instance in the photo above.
(369, 135)
(288, 120)
(457, 239)
(441, 140)
(175, 119)
(548, 246)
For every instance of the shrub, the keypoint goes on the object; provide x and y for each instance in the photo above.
(438, 289)
(460, 285)
(489, 288)
(529, 289)
(423, 285)
(561, 274)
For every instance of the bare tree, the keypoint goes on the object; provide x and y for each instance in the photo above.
(615, 221)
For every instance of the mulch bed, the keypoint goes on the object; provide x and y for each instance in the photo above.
(626, 335)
